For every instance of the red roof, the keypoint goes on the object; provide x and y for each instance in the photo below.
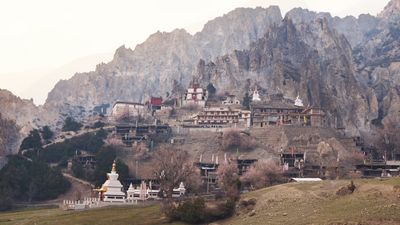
(157, 101)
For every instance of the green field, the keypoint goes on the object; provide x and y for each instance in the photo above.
(373, 202)
(146, 215)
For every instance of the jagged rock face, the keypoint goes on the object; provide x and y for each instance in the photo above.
(347, 65)
(162, 61)
(391, 11)
(20, 115)
(354, 29)
(310, 59)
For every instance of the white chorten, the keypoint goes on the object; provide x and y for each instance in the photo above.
(112, 187)
(298, 102)
(256, 95)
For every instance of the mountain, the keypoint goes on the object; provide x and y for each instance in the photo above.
(310, 59)
(349, 66)
(162, 61)
(391, 10)
(17, 117)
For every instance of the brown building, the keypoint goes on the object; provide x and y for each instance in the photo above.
(223, 116)
(280, 111)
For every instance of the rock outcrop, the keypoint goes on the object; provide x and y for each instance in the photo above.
(310, 59)
(163, 60)
(17, 117)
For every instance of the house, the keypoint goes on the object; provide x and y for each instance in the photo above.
(223, 116)
(123, 109)
(155, 103)
(281, 111)
(231, 100)
(195, 95)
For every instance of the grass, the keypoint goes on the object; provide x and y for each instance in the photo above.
(146, 215)
(373, 202)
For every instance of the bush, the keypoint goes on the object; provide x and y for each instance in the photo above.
(46, 133)
(23, 180)
(262, 174)
(71, 125)
(32, 141)
(233, 139)
(195, 211)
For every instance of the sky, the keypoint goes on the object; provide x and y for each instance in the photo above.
(43, 41)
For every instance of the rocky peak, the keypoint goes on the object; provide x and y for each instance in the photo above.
(391, 10)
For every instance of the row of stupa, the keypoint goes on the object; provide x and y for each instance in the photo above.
(112, 190)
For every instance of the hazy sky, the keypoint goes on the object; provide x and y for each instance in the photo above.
(37, 37)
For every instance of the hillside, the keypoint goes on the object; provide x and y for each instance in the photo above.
(373, 202)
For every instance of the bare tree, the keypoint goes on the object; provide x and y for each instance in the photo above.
(172, 167)
(228, 179)
(262, 174)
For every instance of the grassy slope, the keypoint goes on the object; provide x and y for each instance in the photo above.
(373, 202)
(147, 215)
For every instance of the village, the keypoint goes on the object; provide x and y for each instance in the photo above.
(273, 128)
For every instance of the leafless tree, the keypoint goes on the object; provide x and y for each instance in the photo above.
(172, 166)
(228, 179)
(262, 174)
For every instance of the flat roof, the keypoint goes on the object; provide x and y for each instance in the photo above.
(306, 179)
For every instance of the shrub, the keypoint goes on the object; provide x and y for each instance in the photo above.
(71, 125)
(194, 211)
(32, 141)
(233, 139)
(262, 174)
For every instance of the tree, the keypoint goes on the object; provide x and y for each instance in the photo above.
(104, 160)
(228, 179)
(246, 100)
(71, 125)
(171, 167)
(211, 89)
(233, 139)
(262, 174)
(46, 133)
(32, 141)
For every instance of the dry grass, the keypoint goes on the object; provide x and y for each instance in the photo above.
(373, 202)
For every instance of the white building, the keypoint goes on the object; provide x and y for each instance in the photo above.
(127, 109)
(195, 95)
(231, 100)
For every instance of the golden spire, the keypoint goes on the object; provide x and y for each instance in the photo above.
(114, 167)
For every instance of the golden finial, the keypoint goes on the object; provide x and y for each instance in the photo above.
(114, 167)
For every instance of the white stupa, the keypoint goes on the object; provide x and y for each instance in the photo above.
(298, 102)
(256, 95)
(112, 187)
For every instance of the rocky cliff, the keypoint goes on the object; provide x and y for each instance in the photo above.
(17, 117)
(349, 66)
(163, 60)
(310, 59)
